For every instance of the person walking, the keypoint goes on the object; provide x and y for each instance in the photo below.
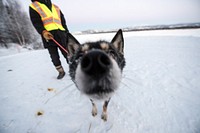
(49, 22)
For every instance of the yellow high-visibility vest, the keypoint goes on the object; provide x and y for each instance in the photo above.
(51, 19)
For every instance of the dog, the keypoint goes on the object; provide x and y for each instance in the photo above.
(96, 68)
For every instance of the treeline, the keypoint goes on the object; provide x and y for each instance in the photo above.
(15, 26)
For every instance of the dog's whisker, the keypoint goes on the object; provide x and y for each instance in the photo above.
(132, 81)
(126, 86)
(129, 79)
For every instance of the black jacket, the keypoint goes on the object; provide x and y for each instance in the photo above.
(38, 24)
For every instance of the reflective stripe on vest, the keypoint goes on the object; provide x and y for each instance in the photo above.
(51, 19)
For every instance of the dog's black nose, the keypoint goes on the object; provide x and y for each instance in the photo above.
(95, 63)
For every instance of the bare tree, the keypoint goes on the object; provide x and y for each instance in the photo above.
(15, 25)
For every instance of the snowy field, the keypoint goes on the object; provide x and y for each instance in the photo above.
(159, 93)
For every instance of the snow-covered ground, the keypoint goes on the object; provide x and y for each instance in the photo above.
(12, 49)
(159, 93)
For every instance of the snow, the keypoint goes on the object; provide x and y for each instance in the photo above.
(159, 93)
(13, 49)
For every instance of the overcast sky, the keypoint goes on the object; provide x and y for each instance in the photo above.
(112, 14)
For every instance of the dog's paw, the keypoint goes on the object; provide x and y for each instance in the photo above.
(94, 111)
(104, 116)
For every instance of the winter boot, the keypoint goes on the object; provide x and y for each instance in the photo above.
(61, 72)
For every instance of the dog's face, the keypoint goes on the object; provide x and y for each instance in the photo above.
(96, 67)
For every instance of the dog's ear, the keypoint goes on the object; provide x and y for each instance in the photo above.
(118, 41)
(73, 44)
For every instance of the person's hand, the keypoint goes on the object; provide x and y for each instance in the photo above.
(47, 35)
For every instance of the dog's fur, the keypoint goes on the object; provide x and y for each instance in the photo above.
(96, 68)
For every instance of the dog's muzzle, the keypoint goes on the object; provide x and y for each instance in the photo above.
(95, 63)
(97, 75)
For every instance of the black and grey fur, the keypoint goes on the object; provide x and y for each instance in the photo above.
(96, 68)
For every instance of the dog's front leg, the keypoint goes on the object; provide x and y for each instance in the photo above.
(104, 114)
(94, 108)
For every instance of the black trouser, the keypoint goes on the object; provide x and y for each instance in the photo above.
(55, 58)
(60, 37)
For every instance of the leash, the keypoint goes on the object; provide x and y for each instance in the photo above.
(60, 46)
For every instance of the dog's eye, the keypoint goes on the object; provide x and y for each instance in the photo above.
(112, 53)
(79, 55)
